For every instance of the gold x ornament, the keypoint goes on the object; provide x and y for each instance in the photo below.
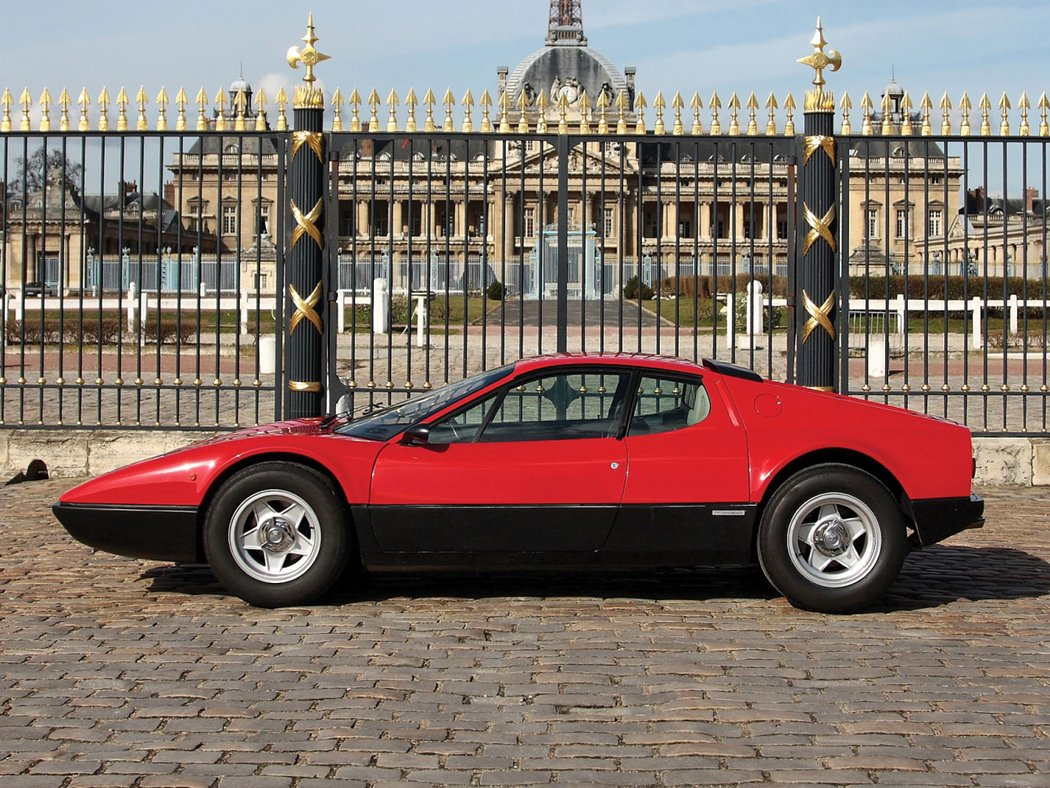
(306, 224)
(820, 228)
(819, 316)
(304, 309)
(818, 142)
(312, 139)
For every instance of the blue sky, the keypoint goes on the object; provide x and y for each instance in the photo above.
(686, 45)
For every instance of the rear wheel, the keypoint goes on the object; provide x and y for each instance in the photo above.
(832, 539)
(276, 534)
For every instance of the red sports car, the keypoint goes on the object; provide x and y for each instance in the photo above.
(565, 462)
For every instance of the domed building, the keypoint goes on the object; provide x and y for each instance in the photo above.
(565, 68)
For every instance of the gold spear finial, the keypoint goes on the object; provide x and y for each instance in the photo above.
(1025, 105)
(986, 108)
(355, 110)
(927, 105)
(563, 114)
(392, 102)
(946, 113)
(6, 101)
(63, 102)
(678, 104)
(906, 127)
(659, 104)
(449, 100)
(714, 105)
(965, 105)
(523, 118)
(308, 56)
(260, 110)
(1044, 124)
(141, 124)
(866, 106)
(603, 109)
(429, 101)
(240, 102)
(373, 105)
(887, 114)
(846, 105)
(1004, 108)
(640, 104)
(162, 110)
(771, 124)
(503, 106)
(752, 109)
(181, 100)
(103, 110)
(486, 110)
(45, 110)
(585, 113)
(201, 101)
(467, 103)
(696, 104)
(542, 104)
(337, 110)
(122, 110)
(26, 102)
(622, 104)
(789, 111)
(411, 101)
(220, 109)
(83, 101)
(734, 114)
(282, 110)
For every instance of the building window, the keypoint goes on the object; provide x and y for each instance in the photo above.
(873, 222)
(530, 222)
(229, 220)
(262, 219)
(934, 226)
(902, 222)
(347, 219)
(608, 223)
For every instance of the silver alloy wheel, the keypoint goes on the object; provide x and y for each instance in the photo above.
(274, 536)
(834, 540)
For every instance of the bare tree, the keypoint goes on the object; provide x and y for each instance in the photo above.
(46, 165)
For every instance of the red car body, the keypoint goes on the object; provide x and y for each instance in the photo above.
(686, 496)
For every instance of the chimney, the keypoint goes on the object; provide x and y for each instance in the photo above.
(1030, 196)
(169, 193)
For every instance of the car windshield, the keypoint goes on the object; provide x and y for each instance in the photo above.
(385, 424)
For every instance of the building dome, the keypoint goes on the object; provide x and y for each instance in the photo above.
(566, 67)
(238, 85)
(893, 90)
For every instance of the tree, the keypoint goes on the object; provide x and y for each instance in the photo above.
(44, 165)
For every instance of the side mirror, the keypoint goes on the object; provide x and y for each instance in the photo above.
(416, 435)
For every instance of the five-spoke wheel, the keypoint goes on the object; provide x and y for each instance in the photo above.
(832, 538)
(277, 534)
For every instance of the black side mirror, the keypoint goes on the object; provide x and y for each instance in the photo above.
(416, 435)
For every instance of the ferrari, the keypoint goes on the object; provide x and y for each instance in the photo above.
(565, 463)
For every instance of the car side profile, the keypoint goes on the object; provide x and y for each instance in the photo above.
(560, 463)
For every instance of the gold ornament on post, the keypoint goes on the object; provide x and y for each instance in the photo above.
(6, 101)
(818, 100)
(306, 95)
(486, 112)
(63, 102)
(771, 123)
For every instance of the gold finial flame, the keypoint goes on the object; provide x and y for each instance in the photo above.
(308, 56)
(819, 60)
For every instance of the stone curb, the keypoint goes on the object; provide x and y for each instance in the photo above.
(1022, 462)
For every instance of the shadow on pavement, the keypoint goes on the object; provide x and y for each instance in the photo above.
(935, 576)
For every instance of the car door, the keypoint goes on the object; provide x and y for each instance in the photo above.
(687, 488)
(535, 467)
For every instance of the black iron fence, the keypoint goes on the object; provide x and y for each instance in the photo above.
(144, 279)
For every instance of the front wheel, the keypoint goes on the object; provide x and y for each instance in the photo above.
(276, 534)
(832, 539)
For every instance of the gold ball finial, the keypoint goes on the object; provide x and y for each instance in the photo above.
(819, 60)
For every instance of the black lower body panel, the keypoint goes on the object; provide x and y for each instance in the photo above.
(160, 533)
(938, 518)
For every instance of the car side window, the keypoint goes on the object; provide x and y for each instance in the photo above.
(563, 406)
(668, 404)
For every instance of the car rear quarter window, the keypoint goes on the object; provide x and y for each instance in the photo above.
(667, 404)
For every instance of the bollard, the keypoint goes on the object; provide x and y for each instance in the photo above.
(380, 307)
(876, 358)
(754, 317)
(132, 305)
(267, 354)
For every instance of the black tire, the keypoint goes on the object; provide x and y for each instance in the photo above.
(302, 552)
(832, 539)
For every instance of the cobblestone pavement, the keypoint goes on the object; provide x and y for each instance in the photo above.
(117, 672)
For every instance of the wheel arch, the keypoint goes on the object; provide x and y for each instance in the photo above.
(257, 459)
(834, 456)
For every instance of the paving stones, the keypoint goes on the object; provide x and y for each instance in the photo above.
(123, 672)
